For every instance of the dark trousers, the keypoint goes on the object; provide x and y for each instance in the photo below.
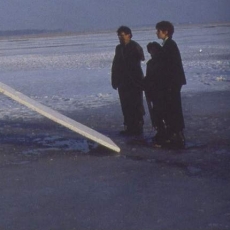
(157, 108)
(174, 115)
(132, 107)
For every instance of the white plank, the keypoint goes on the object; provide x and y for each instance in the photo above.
(59, 118)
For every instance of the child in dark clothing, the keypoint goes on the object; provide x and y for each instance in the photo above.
(154, 87)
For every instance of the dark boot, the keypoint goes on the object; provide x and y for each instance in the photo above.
(126, 131)
(137, 130)
(176, 141)
(161, 135)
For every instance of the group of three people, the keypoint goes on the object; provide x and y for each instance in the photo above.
(162, 85)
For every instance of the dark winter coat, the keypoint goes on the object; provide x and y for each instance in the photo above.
(155, 77)
(126, 68)
(175, 78)
(173, 64)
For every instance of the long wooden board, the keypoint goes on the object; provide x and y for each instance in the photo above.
(59, 118)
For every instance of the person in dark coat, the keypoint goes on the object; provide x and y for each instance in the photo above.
(175, 79)
(154, 86)
(127, 77)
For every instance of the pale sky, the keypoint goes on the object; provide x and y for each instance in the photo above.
(79, 15)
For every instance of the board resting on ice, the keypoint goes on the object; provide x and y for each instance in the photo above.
(59, 118)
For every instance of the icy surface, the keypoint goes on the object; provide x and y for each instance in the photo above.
(73, 72)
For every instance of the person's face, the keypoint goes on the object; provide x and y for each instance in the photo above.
(162, 34)
(124, 38)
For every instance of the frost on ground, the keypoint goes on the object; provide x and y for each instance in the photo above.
(50, 180)
(72, 73)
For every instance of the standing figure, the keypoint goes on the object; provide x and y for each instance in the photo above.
(127, 77)
(175, 78)
(155, 92)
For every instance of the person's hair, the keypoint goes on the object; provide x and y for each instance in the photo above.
(166, 26)
(124, 29)
(154, 45)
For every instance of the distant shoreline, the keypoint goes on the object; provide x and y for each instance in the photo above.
(29, 33)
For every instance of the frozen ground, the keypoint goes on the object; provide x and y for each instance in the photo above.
(71, 73)
(49, 177)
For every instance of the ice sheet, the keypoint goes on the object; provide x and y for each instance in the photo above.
(72, 72)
